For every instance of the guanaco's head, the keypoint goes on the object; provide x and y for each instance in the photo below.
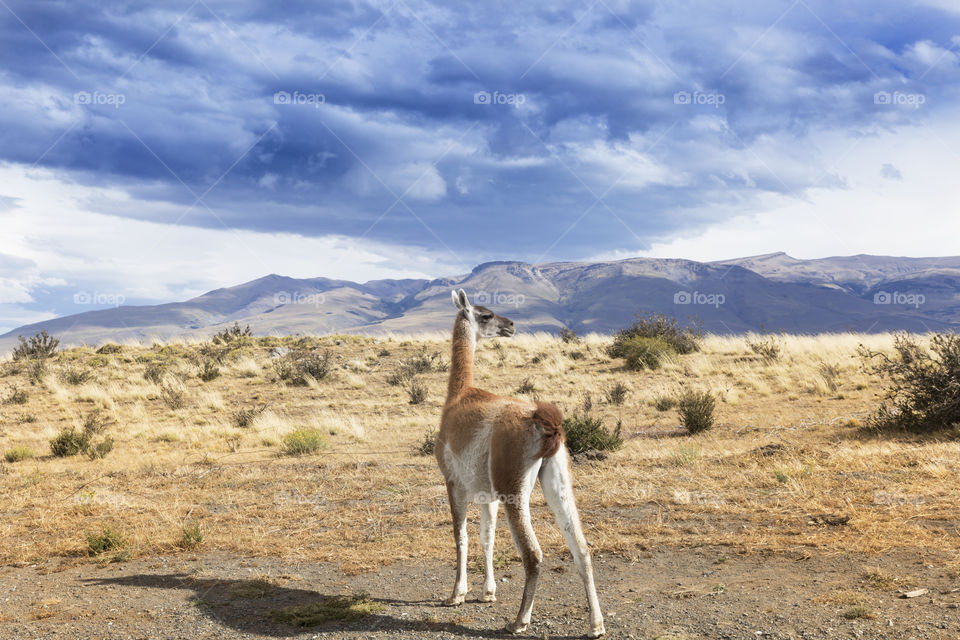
(485, 323)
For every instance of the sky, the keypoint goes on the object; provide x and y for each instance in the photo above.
(150, 151)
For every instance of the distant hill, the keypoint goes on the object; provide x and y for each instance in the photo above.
(773, 292)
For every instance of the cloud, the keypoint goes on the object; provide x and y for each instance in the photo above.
(890, 172)
(583, 128)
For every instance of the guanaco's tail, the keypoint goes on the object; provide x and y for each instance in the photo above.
(549, 421)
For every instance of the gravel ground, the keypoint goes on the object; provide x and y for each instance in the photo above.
(670, 593)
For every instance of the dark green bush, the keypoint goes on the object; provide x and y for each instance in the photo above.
(18, 453)
(586, 433)
(69, 442)
(696, 410)
(429, 443)
(617, 394)
(303, 441)
(658, 325)
(923, 393)
(107, 540)
(645, 353)
(569, 336)
(208, 371)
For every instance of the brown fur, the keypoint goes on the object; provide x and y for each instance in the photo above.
(549, 420)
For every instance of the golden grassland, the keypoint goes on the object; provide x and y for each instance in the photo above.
(784, 461)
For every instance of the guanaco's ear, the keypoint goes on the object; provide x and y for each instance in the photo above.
(460, 299)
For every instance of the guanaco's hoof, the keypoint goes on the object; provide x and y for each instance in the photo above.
(515, 628)
(454, 601)
(490, 596)
(597, 631)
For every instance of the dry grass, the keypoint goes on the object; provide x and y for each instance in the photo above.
(786, 449)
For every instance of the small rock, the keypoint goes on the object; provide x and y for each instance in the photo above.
(916, 593)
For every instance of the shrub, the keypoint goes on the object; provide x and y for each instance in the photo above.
(106, 540)
(36, 369)
(191, 538)
(658, 325)
(416, 391)
(645, 353)
(16, 396)
(75, 376)
(303, 441)
(100, 449)
(527, 387)
(429, 443)
(69, 442)
(767, 347)
(296, 367)
(18, 453)
(109, 348)
(617, 394)
(421, 362)
(40, 346)
(232, 334)
(95, 422)
(924, 386)
(208, 371)
(173, 393)
(696, 410)
(569, 336)
(243, 418)
(664, 402)
(155, 372)
(585, 433)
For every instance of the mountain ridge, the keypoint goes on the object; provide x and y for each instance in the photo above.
(773, 292)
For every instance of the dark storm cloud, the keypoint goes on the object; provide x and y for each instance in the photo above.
(178, 100)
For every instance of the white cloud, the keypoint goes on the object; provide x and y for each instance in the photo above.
(70, 245)
(915, 216)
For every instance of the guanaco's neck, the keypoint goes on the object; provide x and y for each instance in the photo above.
(461, 360)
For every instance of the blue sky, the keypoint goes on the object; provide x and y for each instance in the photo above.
(153, 151)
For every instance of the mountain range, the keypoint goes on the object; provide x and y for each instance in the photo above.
(772, 292)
